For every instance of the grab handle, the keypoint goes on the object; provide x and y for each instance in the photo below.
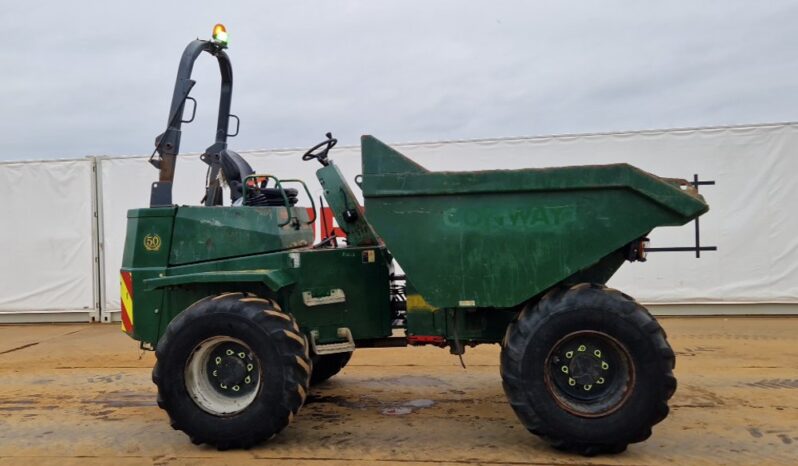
(287, 204)
(307, 191)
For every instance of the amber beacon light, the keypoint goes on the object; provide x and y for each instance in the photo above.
(220, 35)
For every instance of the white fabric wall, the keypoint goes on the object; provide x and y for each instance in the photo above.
(750, 219)
(46, 241)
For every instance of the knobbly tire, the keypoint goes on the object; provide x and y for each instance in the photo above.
(232, 370)
(588, 369)
(327, 365)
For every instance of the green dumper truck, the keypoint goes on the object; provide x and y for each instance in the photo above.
(246, 313)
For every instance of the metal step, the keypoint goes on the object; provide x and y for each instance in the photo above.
(332, 348)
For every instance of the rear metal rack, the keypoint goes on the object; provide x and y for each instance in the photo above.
(697, 248)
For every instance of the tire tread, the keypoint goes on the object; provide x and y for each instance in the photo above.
(281, 329)
(535, 316)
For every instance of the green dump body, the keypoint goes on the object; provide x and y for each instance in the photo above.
(495, 239)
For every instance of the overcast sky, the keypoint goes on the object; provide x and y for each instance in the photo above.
(95, 78)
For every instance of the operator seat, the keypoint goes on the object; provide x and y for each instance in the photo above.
(235, 170)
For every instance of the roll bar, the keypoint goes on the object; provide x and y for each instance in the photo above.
(167, 144)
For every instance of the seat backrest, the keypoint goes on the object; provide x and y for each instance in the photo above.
(234, 170)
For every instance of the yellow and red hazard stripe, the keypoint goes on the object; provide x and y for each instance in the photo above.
(126, 293)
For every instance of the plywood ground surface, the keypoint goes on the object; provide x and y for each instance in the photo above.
(81, 394)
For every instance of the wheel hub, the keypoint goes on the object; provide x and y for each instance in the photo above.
(231, 369)
(223, 375)
(583, 367)
(589, 373)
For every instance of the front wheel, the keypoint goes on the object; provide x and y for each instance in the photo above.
(588, 369)
(232, 370)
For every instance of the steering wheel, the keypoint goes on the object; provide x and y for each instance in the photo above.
(321, 155)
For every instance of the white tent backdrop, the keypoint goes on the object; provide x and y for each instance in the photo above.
(49, 239)
(47, 272)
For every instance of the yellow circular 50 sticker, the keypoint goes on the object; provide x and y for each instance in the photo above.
(152, 242)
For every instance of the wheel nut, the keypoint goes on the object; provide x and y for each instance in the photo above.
(236, 388)
(588, 387)
(564, 369)
(597, 353)
(242, 355)
(581, 348)
(250, 367)
(218, 360)
(229, 352)
(571, 381)
(569, 354)
(604, 365)
(247, 379)
(600, 380)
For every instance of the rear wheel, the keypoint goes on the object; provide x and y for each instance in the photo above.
(327, 365)
(232, 370)
(588, 369)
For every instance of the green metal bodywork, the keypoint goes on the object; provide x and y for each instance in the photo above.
(248, 253)
(474, 246)
(341, 200)
(497, 238)
(209, 233)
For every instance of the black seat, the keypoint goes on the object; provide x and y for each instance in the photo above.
(270, 197)
(235, 169)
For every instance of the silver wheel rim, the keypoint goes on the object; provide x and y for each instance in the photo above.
(199, 383)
